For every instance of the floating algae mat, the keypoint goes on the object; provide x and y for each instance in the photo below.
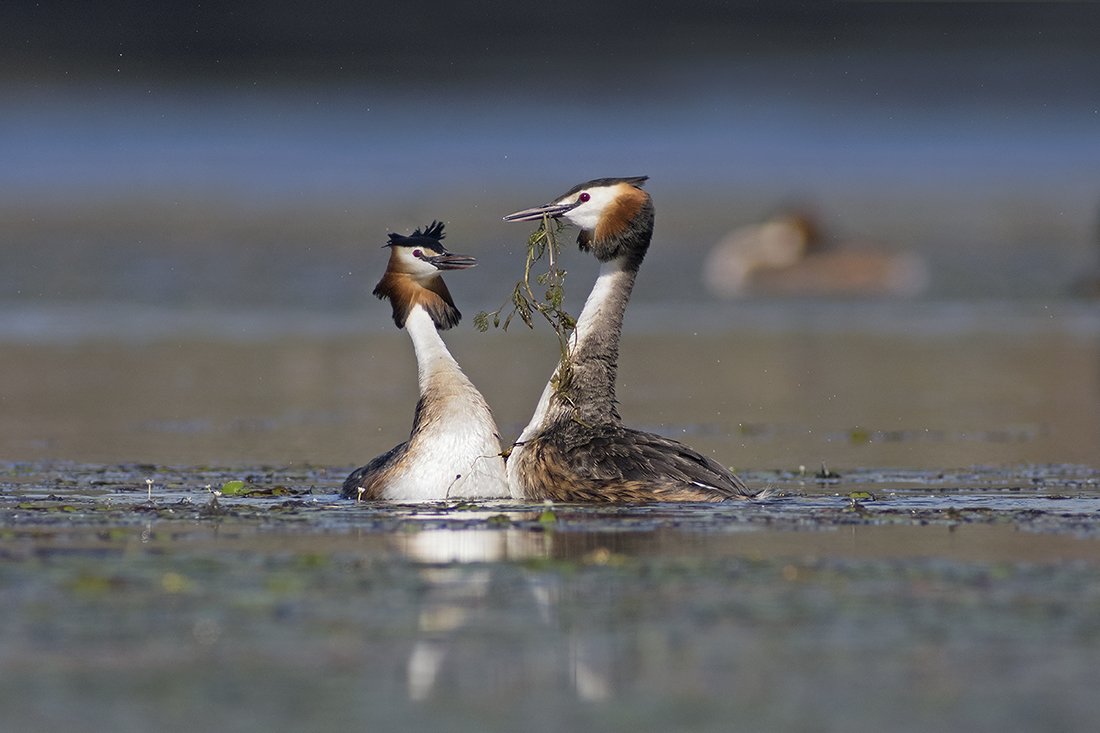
(142, 597)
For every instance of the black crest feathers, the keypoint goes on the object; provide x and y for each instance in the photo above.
(430, 237)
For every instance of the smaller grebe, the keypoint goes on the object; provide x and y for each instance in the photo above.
(454, 448)
(575, 448)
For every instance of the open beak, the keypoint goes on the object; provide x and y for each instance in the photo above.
(551, 210)
(451, 261)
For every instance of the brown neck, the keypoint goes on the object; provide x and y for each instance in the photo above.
(404, 291)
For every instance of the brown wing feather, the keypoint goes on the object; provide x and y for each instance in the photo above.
(368, 482)
(615, 464)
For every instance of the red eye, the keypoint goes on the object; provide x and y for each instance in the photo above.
(583, 197)
(417, 253)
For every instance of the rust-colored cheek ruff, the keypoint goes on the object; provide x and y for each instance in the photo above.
(620, 213)
(404, 291)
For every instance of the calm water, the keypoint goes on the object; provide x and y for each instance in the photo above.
(959, 598)
(757, 386)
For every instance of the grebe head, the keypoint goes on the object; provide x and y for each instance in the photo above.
(422, 254)
(413, 276)
(614, 215)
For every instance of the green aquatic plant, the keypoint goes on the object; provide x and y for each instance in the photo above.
(247, 489)
(234, 487)
(526, 302)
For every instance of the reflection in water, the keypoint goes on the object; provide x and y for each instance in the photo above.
(614, 614)
(449, 546)
(458, 580)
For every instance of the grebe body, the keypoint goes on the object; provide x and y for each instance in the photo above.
(576, 448)
(454, 448)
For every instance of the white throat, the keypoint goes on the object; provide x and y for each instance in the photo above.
(432, 356)
(455, 452)
(607, 283)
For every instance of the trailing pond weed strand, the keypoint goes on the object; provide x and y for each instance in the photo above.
(525, 302)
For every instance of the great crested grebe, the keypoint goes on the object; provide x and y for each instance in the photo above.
(788, 255)
(454, 448)
(575, 448)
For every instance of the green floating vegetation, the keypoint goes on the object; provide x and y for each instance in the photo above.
(233, 488)
(239, 488)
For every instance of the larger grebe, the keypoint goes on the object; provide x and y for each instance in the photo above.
(575, 448)
(454, 448)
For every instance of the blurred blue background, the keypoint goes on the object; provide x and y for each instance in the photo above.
(252, 155)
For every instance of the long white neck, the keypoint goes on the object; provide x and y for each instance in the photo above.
(433, 360)
(454, 449)
(604, 309)
(593, 353)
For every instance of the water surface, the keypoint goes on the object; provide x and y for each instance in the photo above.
(872, 599)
